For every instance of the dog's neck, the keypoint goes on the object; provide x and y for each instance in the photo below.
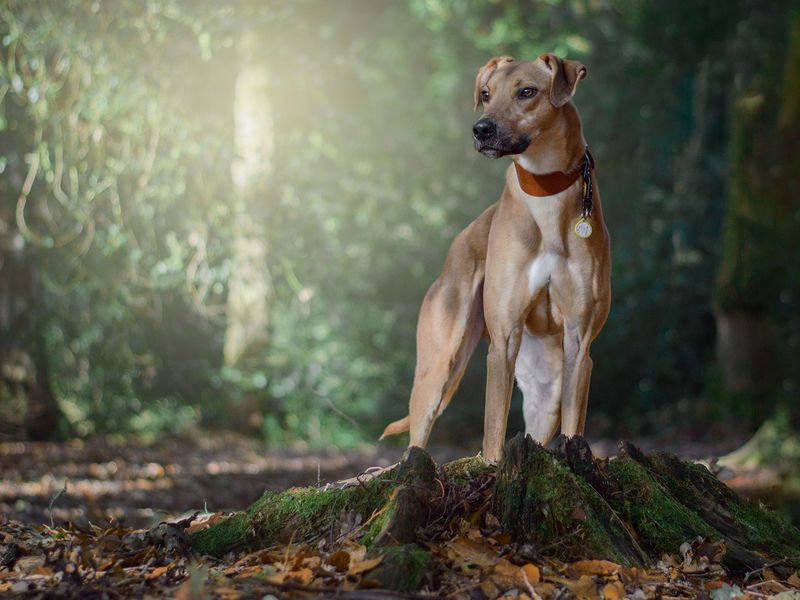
(559, 147)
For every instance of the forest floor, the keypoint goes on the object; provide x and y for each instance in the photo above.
(84, 515)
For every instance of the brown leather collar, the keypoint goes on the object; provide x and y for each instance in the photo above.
(547, 184)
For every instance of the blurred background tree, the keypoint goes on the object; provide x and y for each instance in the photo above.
(225, 214)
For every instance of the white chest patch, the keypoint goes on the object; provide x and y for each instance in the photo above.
(541, 271)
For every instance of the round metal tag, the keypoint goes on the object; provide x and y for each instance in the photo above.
(583, 229)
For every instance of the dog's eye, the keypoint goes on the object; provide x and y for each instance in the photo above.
(485, 95)
(527, 92)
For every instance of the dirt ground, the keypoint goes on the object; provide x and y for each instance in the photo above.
(139, 484)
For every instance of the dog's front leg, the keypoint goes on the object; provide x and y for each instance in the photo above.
(577, 373)
(503, 350)
(506, 300)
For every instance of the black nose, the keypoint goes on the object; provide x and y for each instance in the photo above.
(484, 129)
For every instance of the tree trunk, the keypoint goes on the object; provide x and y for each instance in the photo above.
(28, 407)
(631, 510)
(250, 284)
(759, 284)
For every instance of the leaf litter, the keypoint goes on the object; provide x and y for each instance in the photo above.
(472, 558)
(475, 560)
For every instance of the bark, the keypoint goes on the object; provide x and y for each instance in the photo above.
(28, 407)
(631, 509)
(758, 283)
(250, 284)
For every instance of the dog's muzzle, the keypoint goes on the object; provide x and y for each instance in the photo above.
(489, 142)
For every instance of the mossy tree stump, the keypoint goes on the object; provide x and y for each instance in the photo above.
(631, 509)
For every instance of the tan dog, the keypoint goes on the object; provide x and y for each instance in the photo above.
(525, 271)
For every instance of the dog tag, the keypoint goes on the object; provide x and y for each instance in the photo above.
(583, 229)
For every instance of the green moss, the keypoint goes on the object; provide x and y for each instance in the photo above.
(761, 527)
(661, 521)
(222, 537)
(301, 514)
(403, 567)
(378, 524)
(462, 471)
(747, 522)
(543, 501)
(296, 515)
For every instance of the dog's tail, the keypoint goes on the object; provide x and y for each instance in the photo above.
(400, 426)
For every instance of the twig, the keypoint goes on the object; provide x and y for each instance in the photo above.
(532, 591)
(55, 497)
(749, 574)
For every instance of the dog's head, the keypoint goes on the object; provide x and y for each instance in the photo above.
(520, 100)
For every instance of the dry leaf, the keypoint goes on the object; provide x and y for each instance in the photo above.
(363, 566)
(184, 592)
(301, 576)
(157, 572)
(357, 552)
(545, 590)
(593, 567)
(506, 575)
(340, 560)
(503, 538)
(205, 522)
(585, 588)
(489, 589)
(466, 552)
(614, 591)
(531, 573)
(794, 579)
(250, 571)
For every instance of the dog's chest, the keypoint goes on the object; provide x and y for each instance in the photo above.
(548, 264)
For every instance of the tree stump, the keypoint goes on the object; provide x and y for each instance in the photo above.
(630, 509)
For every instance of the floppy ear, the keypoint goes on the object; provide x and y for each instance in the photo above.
(564, 77)
(485, 72)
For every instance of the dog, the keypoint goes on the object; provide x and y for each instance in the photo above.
(533, 271)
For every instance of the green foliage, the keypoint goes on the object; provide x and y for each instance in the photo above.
(116, 205)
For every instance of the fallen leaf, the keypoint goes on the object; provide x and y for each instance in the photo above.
(593, 567)
(362, 566)
(502, 539)
(794, 579)
(205, 522)
(356, 551)
(614, 591)
(340, 560)
(157, 572)
(302, 576)
(468, 552)
(585, 588)
(545, 590)
(489, 589)
(29, 563)
(184, 592)
(506, 575)
(531, 573)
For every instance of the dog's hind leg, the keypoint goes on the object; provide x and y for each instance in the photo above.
(451, 323)
(450, 327)
(539, 371)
